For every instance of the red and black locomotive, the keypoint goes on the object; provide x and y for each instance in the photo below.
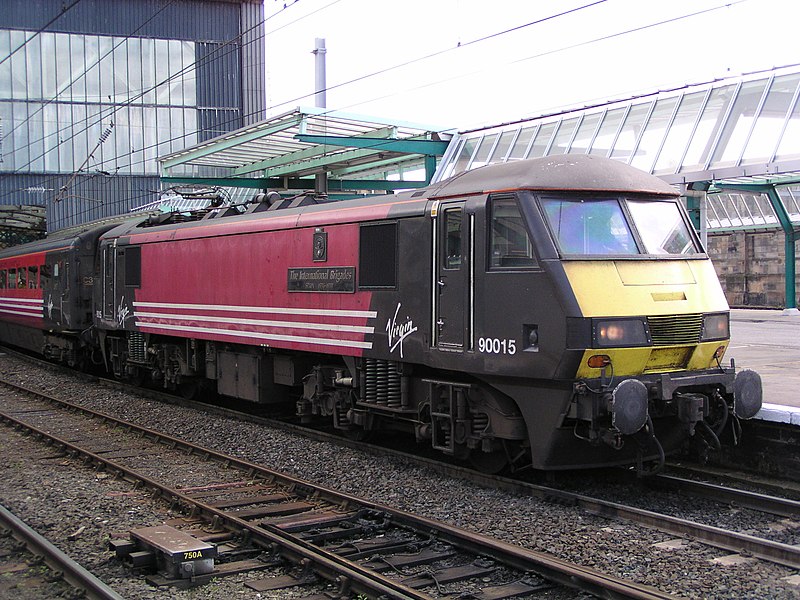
(553, 313)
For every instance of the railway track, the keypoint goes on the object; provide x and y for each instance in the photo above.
(246, 510)
(78, 581)
(732, 541)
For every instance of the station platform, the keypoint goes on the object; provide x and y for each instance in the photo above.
(768, 341)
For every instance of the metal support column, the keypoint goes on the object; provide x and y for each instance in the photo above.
(320, 101)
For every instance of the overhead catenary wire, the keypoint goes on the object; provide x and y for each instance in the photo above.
(475, 72)
(463, 44)
(351, 81)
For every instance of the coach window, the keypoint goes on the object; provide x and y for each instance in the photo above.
(22, 277)
(33, 277)
(12, 279)
(3, 279)
(509, 244)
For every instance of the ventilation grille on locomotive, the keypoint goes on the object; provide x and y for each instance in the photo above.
(669, 330)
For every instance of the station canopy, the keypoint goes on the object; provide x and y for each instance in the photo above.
(737, 139)
(289, 152)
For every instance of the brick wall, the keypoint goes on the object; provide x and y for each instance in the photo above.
(750, 267)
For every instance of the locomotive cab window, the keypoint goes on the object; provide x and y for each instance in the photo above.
(588, 226)
(509, 243)
(662, 228)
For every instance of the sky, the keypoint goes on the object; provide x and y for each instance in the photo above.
(462, 64)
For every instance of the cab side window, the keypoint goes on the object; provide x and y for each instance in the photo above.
(453, 240)
(509, 244)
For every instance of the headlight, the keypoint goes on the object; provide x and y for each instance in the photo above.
(614, 333)
(715, 327)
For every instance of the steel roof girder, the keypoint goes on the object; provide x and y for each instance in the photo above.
(386, 162)
(323, 162)
(405, 146)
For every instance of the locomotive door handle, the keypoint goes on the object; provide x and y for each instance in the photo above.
(440, 323)
(440, 283)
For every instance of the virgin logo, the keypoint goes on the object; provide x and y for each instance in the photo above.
(397, 332)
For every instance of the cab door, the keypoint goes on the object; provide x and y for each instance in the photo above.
(452, 276)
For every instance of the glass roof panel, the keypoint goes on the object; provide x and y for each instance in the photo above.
(771, 119)
(654, 133)
(790, 199)
(608, 131)
(712, 119)
(585, 133)
(542, 140)
(739, 124)
(680, 132)
(483, 151)
(563, 137)
(629, 136)
(465, 154)
(503, 145)
(520, 149)
(716, 131)
(789, 146)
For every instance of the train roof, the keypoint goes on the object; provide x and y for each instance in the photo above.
(577, 173)
(568, 172)
(57, 241)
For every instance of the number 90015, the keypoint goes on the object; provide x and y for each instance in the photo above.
(497, 346)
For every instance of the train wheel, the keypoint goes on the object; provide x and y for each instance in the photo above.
(489, 462)
(189, 389)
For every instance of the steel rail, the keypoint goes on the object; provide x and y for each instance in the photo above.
(332, 566)
(786, 487)
(70, 571)
(777, 552)
(754, 501)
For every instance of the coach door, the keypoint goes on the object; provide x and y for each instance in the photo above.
(451, 312)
